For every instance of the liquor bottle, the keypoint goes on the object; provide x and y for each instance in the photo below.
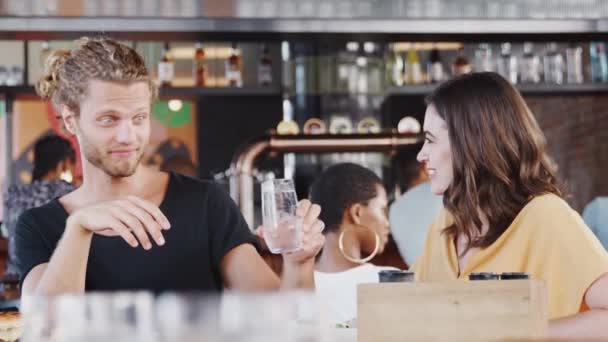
(234, 73)
(553, 63)
(45, 52)
(413, 68)
(461, 64)
(574, 64)
(507, 64)
(265, 67)
(166, 67)
(599, 62)
(394, 69)
(483, 58)
(530, 65)
(434, 67)
(198, 65)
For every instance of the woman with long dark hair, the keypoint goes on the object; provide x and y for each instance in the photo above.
(504, 207)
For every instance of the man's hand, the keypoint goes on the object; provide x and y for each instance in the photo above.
(131, 218)
(312, 236)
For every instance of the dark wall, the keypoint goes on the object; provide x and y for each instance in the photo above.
(576, 128)
(227, 122)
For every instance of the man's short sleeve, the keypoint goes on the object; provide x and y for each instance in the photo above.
(227, 225)
(31, 249)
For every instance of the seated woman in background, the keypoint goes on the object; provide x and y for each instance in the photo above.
(354, 209)
(504, 208)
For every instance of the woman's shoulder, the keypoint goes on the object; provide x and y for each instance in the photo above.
(550, 213)
(547, 202)
(442, 220)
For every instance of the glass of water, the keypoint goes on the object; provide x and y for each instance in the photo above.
(282, 228)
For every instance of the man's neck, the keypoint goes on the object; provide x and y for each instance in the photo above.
(99, 186)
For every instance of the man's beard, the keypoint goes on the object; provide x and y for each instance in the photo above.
(102, 161)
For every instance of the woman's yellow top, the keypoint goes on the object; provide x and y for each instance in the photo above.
(547, 240)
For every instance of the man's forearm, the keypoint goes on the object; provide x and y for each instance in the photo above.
(586, 326)
(66, 271)
(298, 275)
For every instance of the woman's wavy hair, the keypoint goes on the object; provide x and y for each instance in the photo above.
(499, 155)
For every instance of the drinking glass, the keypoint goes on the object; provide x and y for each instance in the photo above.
(94, 317)
(282, 228)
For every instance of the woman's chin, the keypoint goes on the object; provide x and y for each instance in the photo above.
(437, 190)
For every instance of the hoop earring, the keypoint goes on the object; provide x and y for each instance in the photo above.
(358, 261)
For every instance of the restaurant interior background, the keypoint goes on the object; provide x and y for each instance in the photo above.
(358, 66)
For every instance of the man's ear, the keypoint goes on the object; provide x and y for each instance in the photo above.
(69, 118)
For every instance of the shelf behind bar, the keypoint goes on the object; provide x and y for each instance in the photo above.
(413, 90)
(142, 28)
(177, 92)
(195, 92)
(17, 91)
(526, 89)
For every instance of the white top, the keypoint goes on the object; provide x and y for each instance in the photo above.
(410, 217)
(338, 291)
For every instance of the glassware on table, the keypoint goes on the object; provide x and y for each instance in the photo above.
(188, 317)
(294, 316)
(282, 228)
(119, 316)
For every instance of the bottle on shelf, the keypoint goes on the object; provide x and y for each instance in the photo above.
(435, 73)
(483, 58)
(413, 69)
(44, 52)
(574, 64)
(394, 69)
(530, 67)
(374, 68)
(234, 73)
(265, 67)
(198, 65)
(599, 62)
(166, 67)
(553, 64)
(461, 64)
(507, 63)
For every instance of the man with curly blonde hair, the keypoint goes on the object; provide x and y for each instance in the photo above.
(129, 227)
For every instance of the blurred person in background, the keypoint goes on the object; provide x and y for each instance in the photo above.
(354, 204)
(412, 213)
(180, 164)
(54, 167)
(596, 217)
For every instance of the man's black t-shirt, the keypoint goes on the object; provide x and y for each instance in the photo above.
(205, 225)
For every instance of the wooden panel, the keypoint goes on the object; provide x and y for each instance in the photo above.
(452, 311)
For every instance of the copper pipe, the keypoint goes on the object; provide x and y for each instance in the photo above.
(241, 180)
